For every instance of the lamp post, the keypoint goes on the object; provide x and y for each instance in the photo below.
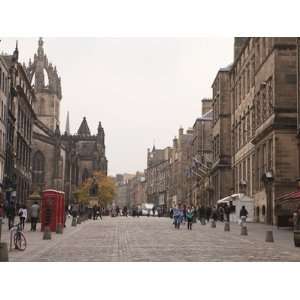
(268, 179)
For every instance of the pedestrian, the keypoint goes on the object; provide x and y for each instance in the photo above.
(99, 214)
(34, 215)
(208, 213)
(221, 213)
(202, 214)
(227, 212)
(177, 214)
(11, 213)
(23, 216)
(297, 225)
(189, 217)
(243, 215)
(184, 215)
(214, 214)
(171, 213)
(153, 211)
(66, 215)
(194, 214)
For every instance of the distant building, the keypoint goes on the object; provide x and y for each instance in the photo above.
(221, 171)
(157, 176)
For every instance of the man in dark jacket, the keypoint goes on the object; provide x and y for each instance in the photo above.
(11, 213)
(227, 212)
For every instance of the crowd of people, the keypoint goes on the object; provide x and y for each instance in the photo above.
(189, 214)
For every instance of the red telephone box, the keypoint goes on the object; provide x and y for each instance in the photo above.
(52, 211)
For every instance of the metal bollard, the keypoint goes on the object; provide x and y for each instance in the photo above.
(244, 230)
(47, 233)
(74, 222)
(213, 224)
(59, 228)
(269, 236)
(3, 252)
(227, 226)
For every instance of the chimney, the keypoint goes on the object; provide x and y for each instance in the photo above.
(206, 106)
(180, 132)
(239, 43)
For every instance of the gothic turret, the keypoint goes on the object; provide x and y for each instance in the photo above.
(84, 128)
(47, 85)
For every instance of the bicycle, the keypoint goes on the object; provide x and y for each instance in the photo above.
(18, 237)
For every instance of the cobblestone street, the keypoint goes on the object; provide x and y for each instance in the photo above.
(155, 239)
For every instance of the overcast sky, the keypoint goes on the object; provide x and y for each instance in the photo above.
(141, 89)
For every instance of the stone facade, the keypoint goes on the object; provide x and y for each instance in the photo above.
(157, 176)
(19, 122)
(264, 121)
(4, 94)
(38, 156)
(221, 174)
(201, 159)
(137, 190)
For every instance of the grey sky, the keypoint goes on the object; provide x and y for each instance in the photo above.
(141, 89)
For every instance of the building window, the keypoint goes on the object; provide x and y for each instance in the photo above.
(38, 168)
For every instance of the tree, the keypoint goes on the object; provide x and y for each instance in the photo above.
(98, 186)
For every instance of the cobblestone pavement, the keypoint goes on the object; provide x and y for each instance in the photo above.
(155, 239)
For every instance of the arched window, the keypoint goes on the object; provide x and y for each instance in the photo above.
(263, 210)
(85, 175)
(38, 168)
(257, 211)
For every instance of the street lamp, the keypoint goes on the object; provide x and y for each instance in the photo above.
(268, 179)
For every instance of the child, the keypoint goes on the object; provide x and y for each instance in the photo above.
(189, 217)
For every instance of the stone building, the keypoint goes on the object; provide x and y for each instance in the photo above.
(121, 198)
(4, 94)
(19, 122)
(157, 176)
(221, 173)
(201, 158)
(264, 121)
(180, 163)
(59, 161)
(137, 190)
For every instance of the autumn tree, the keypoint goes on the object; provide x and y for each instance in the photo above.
(98, 186)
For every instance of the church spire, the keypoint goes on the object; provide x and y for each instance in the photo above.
(67, 132)
(84, 128)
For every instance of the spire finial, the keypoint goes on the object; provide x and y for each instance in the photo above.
(16, 53)
(68, 124)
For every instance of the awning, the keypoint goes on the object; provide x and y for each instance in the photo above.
(289, 196)
(234, 197)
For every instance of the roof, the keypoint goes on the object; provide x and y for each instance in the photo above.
(84, 128)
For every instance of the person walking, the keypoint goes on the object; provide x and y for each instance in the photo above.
(227, 212)
(194, 214)
(243, 215)
(221, 213)
(177, 215)
(11, 213)
(214, 214)
(189, 218)
(202, 215)
(34, 215)
(184, 214)
(208, 213)
(99, 212)
(23, 216)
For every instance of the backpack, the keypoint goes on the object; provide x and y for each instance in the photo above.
(21, 213)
